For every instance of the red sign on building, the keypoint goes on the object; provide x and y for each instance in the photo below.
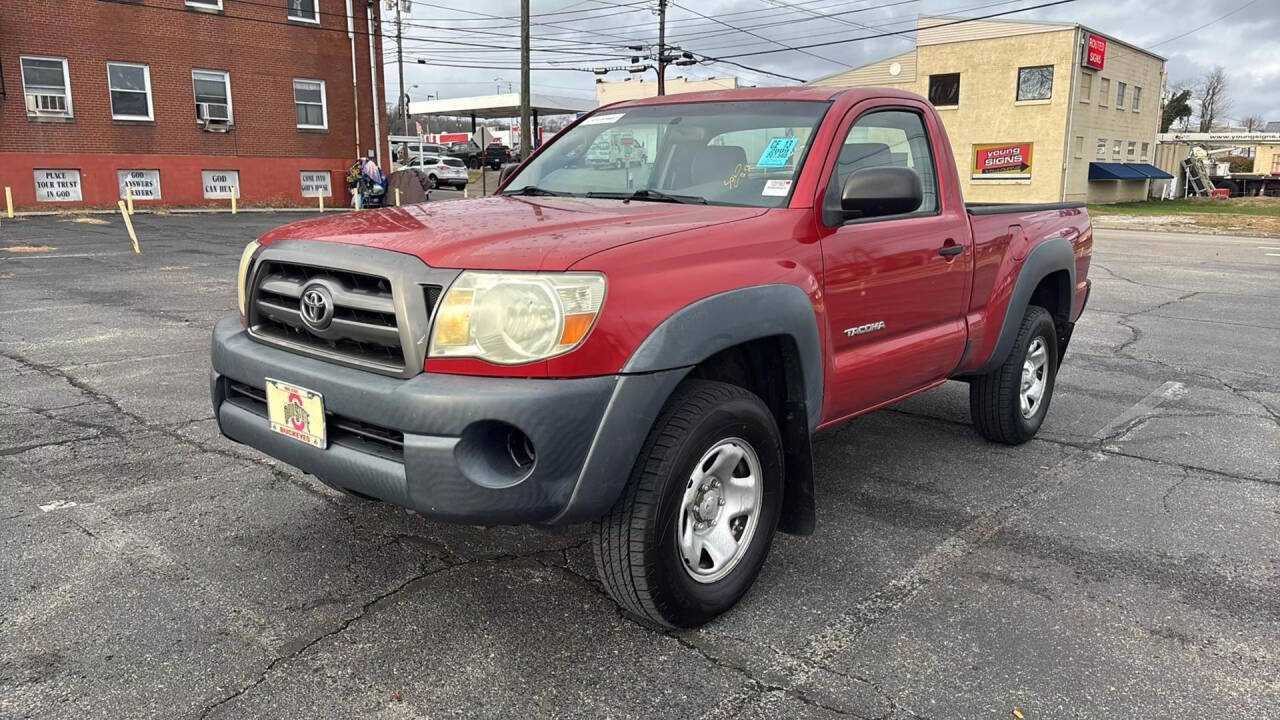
(1095, 52)
(1004, 160)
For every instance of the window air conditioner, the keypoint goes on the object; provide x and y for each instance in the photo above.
(41, 104)
(210, 114)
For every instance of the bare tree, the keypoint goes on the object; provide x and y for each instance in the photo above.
(1214, 100)
(1252, 123)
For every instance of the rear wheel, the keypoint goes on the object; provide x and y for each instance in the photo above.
(432, 182)
(690, 532)
(1009, 404)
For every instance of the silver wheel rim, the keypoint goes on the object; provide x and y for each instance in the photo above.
(720, 510)
(1035, 376)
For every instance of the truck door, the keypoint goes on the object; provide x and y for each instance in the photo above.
(895, 286)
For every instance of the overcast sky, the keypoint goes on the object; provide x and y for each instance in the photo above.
(594, 33)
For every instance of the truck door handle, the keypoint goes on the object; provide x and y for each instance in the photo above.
(950, 249)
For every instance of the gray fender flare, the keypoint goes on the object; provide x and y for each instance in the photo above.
(704, 328)
(1048, 257)
(715, 323)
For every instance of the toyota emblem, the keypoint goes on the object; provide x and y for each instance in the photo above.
(316, 307)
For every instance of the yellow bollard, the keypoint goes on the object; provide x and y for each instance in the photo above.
(320, 197)
(397, 197)
(8, 202)
(128, 224)
(234, 192)
(128, 197)
(464, 192)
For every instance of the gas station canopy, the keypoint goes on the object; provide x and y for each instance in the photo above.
(501, 106)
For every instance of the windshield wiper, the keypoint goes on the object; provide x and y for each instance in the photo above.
(650, 194)
(535, 190)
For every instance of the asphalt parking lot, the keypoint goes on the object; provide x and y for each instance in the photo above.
(1124, 564)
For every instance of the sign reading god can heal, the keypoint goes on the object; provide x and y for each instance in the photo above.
(316, 184)
(220, 184)
(142, 184)
(1005, 160)
(57, 185)
(778, 152)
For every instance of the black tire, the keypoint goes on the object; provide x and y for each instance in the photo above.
(636, 549)
(432, 182)
(995, 398)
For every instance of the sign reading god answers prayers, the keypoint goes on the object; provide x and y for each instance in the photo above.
(142, 184)
(220, 184)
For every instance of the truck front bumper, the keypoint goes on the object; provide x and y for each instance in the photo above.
(440, 444)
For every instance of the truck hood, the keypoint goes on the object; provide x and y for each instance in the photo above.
(510, 233)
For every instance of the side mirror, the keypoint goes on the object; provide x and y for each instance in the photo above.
(878, 191)
(506, 172)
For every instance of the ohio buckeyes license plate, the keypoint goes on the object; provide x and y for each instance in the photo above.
(296, 412)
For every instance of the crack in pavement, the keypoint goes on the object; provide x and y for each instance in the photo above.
(19, 449)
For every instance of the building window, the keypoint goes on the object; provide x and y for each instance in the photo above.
(1146, 147)
(1086, 86)
(1275, 164)
(1035, 83)
(1102, 147)
(130, 87)
(1137, 97)
(46, 86)
(1116, 148)
(1120, 95)
(213, 97)
(304, 11)
(308, 102)
(1133, 151)
(1079, 146)
(1104, 91)
(205, 4)
(944, 90)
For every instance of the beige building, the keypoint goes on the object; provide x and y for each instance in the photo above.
(1036, 112)
(634, 88)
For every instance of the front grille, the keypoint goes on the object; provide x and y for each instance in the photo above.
(363, 330)
(340, 429)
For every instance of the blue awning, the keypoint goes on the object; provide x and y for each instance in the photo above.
(1150, 171)
(1114, 171)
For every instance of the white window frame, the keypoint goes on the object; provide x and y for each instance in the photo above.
(204, 4)
(1102, 148)
(324, 105)
(1120, 94)
(66, 78)
(146, 81)
(1137, 98)
(226, 82)
(314, 19)
(1131, 154)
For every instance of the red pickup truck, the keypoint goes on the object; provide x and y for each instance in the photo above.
(650, 349)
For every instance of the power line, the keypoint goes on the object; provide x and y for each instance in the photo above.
(1193, 30)
(752, 34)
(899, 32)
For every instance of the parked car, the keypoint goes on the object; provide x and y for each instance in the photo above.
(615, 150)
(652, 352)
(407, 152)
(447, 171)
(468, 152)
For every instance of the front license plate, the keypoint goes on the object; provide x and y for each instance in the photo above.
(296, 412)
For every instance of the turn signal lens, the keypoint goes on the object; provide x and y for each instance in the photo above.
(513, 318)
(242, 277)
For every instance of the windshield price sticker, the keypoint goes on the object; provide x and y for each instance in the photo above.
(603, 119)
(778, 152)
(776, 188)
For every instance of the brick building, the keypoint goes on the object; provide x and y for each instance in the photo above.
(186, 101)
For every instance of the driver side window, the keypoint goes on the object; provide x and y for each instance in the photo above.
(888, 138)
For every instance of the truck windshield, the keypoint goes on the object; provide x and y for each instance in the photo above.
(721, 153)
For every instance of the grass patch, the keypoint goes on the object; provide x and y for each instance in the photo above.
(1265, 207)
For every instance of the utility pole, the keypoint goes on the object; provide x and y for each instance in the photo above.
(526, 131)
(662, 47)
(404, 94)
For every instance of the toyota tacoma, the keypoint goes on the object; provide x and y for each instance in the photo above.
(650, 349)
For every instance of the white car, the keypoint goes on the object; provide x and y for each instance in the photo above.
(448, 171)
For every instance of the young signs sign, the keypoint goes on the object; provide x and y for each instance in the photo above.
(1002, 161)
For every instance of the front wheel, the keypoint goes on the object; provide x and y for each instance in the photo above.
(1009, 404)
(693, 526)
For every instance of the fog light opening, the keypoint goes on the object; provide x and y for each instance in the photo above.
(494, 454)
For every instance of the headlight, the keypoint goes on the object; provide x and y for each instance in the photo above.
(242, 277)
(512, 318)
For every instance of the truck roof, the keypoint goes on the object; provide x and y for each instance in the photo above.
(801, 93)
